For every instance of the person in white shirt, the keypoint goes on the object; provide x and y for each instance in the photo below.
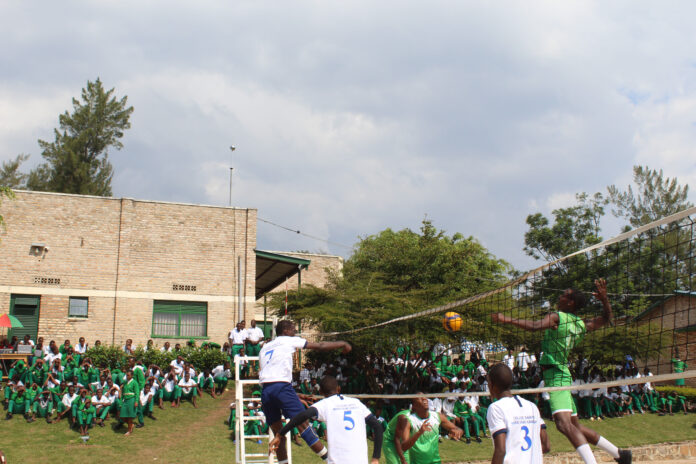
(523, 360)
(81, 348)
(101, 403)
(177, 366)
(169, 390)
(145, 405)
(237, 337)
(166, 348)
(254, 342)
(188, 389)
(65, 406)
(518, 431)
(221, 375)
(509, 359)
(345, 420)
(278, 398)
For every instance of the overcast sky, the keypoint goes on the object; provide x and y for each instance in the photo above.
(350, 117)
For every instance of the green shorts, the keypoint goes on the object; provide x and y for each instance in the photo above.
(559, 401)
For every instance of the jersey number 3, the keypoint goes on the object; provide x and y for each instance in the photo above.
(348, 420)
(527, 439)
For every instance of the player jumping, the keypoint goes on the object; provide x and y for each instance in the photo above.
(564, 330)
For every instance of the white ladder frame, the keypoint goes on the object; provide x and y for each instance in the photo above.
(240, 449)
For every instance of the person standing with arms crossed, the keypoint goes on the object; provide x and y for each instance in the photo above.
(563, 330)
(275, 376)
(345, 420)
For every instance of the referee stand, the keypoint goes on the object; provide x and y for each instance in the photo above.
(241, 455)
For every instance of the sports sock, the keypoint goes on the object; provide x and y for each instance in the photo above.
(585, 453)
(324, 453)
(608, 446)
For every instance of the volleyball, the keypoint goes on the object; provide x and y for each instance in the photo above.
(452, 322)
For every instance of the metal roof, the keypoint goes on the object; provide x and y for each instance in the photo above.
(273, 268)
(663, 301)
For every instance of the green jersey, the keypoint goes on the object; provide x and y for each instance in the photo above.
(558, 342)
(388, 441)
(426, 450)
(678, 365)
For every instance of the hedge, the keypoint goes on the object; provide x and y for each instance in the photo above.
(689, 392)
(113, 356)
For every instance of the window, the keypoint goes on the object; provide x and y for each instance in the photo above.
(179, 319)
(78, 306)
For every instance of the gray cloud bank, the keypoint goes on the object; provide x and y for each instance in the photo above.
(354, 116)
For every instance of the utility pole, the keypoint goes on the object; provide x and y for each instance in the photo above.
(232, 148)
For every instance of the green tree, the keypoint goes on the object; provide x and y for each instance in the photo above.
(573, 228)
(77, 159)
(10, 176)
(654, 197)
(395, 273)
(5, 192)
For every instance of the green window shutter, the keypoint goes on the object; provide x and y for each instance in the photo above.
(179, 319)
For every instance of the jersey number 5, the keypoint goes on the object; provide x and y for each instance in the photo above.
(348, 420)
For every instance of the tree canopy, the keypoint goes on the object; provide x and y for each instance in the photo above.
(394, 273)
(77, 160)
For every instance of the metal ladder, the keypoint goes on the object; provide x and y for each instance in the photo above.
(242, 457)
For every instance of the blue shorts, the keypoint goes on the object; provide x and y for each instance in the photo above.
(280, 398)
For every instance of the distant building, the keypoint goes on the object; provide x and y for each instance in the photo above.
(110, 269)
(674, 317)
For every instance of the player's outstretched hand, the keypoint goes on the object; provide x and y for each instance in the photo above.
(601, 293)
(273, 444)
(456, 434)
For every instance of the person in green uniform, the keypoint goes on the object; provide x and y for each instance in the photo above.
(19, 403)
(465, 416)
(419, 432)
(393, 453)
(563, 330)
(43, 405)
(130, 394)
(85, 416)
(678, 366)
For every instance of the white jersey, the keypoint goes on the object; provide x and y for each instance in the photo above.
(254, 334)
(345, 428)
(276, 359)
(520, 420)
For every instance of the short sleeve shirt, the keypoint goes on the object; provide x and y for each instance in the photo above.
(520, 420)
(275, 359)
(238, 336)
(345, 428)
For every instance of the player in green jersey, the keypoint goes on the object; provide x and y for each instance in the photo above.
(419, 432)
(563, 330)
(393, 453)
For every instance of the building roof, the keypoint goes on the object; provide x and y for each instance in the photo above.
(273, 268)
(663, 301)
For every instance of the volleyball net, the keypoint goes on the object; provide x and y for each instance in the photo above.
(649, 274)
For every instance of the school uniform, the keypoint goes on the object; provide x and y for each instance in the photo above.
(145, 405)
(170, 391)
(130, 394)
(188, 388)
(86, 413)
(221, 376)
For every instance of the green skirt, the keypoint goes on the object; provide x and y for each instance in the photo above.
(128, 408)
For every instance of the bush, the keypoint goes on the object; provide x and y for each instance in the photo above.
(689, 392)
(113, 356)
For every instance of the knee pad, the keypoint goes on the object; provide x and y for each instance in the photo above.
(309, 436)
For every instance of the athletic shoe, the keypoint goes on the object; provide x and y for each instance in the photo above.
(478, 439)
(139, 426)
(592, 419)
(468, 441)
(625, 457)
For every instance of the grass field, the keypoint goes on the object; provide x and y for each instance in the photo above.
(199, 435)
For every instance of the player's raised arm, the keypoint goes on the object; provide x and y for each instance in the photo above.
(548, 322)
(452, 430)
(607, 316)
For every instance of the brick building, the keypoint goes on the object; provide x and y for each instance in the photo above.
(111, 269)
(675, 317)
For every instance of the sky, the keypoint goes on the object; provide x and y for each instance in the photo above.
(351, 117)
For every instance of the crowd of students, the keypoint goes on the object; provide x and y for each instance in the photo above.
(61, 382)
(407, 371)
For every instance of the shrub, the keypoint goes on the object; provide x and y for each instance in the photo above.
(104, 356)
(689, 392)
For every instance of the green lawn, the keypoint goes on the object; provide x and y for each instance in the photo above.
(199, 435)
